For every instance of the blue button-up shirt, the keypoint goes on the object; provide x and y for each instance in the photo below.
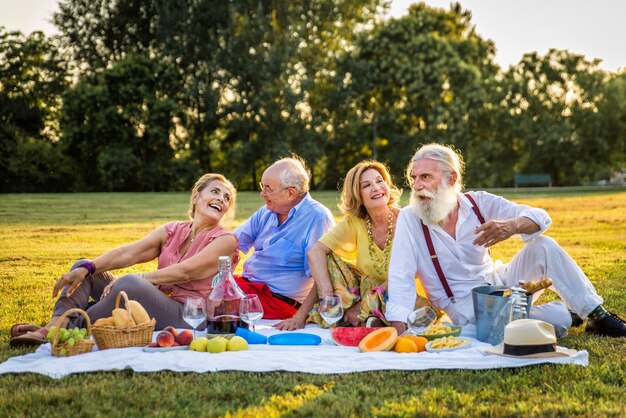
(280, 252)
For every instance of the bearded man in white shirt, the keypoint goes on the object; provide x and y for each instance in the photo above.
(461, 228)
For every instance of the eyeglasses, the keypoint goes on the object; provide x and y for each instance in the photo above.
(268, 190)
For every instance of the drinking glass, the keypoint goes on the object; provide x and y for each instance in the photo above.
(420, 319)
(251, 310)
(331, 309)
(194, 312)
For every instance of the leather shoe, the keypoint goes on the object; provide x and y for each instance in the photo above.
(21, 329)
(609, 326)
(34, 338)
(576, 320)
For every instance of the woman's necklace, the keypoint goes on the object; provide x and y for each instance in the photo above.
(194, 233)
(380, 265)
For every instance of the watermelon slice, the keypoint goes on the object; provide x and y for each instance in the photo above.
(350, 336)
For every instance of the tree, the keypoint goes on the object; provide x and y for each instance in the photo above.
(32, 77)
(120, 126)
(422, 78)
(250, 69)
(554, 102)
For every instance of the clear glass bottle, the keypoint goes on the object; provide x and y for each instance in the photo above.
(224, 302)
(514, 309)
(518, 305)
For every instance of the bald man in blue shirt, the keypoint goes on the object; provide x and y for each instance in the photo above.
(281, 233)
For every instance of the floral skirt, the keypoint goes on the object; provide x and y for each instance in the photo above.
(354, 287)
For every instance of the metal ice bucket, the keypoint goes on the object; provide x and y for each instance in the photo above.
(487, 305)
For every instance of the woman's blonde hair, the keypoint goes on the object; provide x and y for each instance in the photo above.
(351, 203)
(202, 183)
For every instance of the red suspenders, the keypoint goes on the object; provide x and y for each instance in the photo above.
(433, 254)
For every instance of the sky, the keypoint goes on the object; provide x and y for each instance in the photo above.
(593, 28)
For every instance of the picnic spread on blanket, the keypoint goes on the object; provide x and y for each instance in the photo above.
(123, 344)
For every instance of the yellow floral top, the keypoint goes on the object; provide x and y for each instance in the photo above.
(348, 239)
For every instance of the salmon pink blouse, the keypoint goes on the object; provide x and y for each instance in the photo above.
(177, 234)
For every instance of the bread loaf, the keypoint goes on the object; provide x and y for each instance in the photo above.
(140, 316)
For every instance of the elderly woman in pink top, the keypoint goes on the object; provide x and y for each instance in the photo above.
(187, 253)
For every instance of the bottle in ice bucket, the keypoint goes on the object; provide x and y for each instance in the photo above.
(224, 300)
(513, 310)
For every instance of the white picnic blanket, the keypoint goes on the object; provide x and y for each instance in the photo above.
(325, 358)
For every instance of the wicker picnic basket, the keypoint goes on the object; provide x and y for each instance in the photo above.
(79, 347)
(132, 336)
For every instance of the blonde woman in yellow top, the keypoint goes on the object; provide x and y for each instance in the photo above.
(352, 258)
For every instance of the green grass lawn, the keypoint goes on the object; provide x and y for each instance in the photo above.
(42, 234)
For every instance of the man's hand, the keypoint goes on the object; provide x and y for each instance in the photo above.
(352, 315)
(290, 324)
(399, 326)
(493, 232)
(72, 280)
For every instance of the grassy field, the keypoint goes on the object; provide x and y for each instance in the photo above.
(42, 234)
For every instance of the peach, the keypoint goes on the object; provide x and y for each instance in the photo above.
(165, 339)
(171, 330)
(184, 337)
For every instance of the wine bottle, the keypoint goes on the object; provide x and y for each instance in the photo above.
(224, 301)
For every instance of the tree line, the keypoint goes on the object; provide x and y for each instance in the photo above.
(145, 95)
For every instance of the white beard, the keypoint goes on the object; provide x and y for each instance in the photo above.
(436, 210)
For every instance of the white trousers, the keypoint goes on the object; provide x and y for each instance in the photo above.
(541, 257)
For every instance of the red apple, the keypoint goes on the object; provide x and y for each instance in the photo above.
(165, 339)
(154, 344)
(175, 344)
(184, 337)
(171, 330)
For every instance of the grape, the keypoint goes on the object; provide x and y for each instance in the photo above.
(63, 352)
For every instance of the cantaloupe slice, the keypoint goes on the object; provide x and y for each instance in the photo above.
(382, 339)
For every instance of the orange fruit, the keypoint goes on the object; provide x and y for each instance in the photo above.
(420, 342)
(405, 345)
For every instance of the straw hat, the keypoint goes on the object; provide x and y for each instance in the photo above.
(530, 338)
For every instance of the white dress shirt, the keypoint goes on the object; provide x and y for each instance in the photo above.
(464, 264)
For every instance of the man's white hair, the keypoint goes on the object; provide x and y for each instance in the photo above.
(449, 160)
(294, 174)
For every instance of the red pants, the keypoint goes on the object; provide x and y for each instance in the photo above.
(273, 308)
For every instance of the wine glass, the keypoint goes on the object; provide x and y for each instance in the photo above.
(251, 310)
(421, 318)
(331, 309)
(194, 312)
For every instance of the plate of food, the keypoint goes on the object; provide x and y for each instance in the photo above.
(440, 330)
(448, 343)
(149, 349)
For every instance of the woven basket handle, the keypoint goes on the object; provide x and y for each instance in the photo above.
(126, 306)
(55, 340)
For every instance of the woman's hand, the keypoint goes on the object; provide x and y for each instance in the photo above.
(72, 280)
(399, 326)
(290, 324)
(107, 290)
(352, 315)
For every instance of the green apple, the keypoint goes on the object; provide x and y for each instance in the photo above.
(237, 343)
(199, 344)
(216, 345)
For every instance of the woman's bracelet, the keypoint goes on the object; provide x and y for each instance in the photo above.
(89, 265)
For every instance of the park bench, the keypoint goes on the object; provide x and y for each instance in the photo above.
(532, 180)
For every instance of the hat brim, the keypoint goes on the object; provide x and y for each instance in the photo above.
(560, 352)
